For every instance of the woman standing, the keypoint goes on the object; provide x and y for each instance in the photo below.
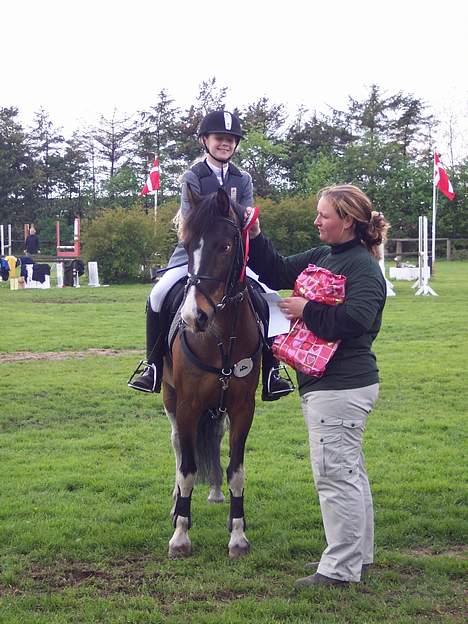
(336, 406)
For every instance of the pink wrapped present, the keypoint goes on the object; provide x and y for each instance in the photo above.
(301, 348)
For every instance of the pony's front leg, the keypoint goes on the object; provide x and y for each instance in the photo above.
(238, 543)
(170, 408)
(177, 454)
(180, 544)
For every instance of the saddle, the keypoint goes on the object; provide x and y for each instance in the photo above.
(170, 315)
(259, 303)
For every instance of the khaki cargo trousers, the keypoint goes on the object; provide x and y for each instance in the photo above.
(336, 420)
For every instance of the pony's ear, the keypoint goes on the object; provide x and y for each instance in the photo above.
(193, 197)
(224, 203)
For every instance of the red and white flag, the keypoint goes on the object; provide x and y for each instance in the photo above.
(441, 180)
(152, 183)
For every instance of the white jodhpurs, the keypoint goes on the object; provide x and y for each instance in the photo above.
(167, 281)
(336, 420)
(164, 285)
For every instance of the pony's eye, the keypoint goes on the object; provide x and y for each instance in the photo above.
(226, 247)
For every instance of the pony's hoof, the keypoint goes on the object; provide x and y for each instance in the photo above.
(239, 550)
(180, 551)
(215, 496)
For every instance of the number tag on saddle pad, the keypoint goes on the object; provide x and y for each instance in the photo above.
(243, 367)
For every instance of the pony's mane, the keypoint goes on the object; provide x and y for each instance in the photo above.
(201, 216)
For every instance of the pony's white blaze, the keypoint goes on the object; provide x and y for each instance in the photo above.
(189, 309)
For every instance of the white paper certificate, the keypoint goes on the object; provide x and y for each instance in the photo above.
(279, 324)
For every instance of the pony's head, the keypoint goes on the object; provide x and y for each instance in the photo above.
(212, 237)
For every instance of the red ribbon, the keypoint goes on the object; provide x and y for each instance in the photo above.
(248, 225)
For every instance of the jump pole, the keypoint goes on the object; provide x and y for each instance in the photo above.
(2, 239)
(69, 251)
(423, 260)
(419, 282)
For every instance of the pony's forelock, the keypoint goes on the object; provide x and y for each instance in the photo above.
(201, 217)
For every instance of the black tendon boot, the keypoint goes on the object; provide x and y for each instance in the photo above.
(149, 373)
(273, 385)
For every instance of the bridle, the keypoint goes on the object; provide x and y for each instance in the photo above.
(235, 276)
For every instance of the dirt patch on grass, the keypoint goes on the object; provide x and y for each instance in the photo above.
(122, 576)
(457, 551)
(126, 576)
(23, 356)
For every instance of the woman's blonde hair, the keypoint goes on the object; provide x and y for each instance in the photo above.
(370, 226)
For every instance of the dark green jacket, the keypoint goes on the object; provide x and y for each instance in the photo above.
(356, 322)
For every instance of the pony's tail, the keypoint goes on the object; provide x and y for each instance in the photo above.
(208, 450)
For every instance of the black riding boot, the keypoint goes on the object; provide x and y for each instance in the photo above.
(273, 385)
(151, 371)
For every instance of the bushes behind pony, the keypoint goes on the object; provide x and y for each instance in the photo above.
(124, 243)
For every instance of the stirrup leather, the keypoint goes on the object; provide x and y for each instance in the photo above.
(283, 374)
(143, 365)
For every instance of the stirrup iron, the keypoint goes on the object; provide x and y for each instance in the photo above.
(283, 374)
(143, 365)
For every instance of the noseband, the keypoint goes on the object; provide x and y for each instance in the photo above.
(196, 279)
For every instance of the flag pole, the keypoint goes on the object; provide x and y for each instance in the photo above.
(434, 212)
(156, 157)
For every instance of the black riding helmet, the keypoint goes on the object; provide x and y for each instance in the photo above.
(220, 122)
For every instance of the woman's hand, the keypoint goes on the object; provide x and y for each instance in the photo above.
(292, 307)
(254, 228)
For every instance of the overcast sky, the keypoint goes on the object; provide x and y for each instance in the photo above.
(79, 60)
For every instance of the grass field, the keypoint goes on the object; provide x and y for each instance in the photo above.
(87, 474)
